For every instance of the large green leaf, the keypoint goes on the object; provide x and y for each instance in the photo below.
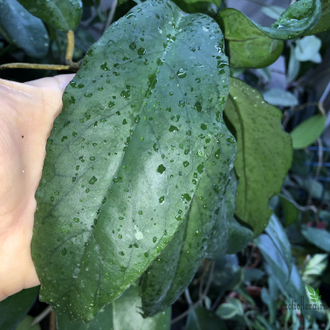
(248, 45)
(324, 22)
(64, 15)
(264, 153)
(125, 156)
(15, 307)
(200, 318)
(205, 224)
(22, 29)
(122, 314)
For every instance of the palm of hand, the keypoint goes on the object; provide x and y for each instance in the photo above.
(27, 112)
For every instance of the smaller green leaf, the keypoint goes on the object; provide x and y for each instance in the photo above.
(15, 307)
(280, 97)
(298, 19)
(307, 49)
(290, 211)
(324, 22)
(314, 268)
(308, 131)
(293, 67)
(248, 45)
(26, 324)
(269, 297)
(313, 300)
(201, 318)
(22, 29)
(230, 309)
(276, 266)
(227, 273)
(310, 289)
(260, 175)
(317, 291)
(64, 15)
(294, 22)
(280, 240)
(265, 73)
(238, 236)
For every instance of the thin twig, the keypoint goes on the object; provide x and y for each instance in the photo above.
(187, 294)
(299, 207)
(36, 66)
(301, 107)
(318, 170)
(196, 304)
(111, 14)
(41, 316)
(325, 93)
(217, 302)
(303, 82)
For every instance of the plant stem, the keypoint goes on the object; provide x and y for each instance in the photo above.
(34, 66)
(41, 316)
(111, 14)
(318, 170)
(196, 304)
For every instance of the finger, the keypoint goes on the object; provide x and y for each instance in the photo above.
(61, 81)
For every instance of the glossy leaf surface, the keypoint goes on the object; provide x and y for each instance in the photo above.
(15, 307)
(264, 153)
(248, 45)
(123, 314)
(308, 131)
(22, 29)
(64, 15)
(251, 38)
(296, 21)
(205, 224)
(125, 156)
(324, 22)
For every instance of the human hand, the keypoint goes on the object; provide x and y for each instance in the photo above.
(27, 113)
